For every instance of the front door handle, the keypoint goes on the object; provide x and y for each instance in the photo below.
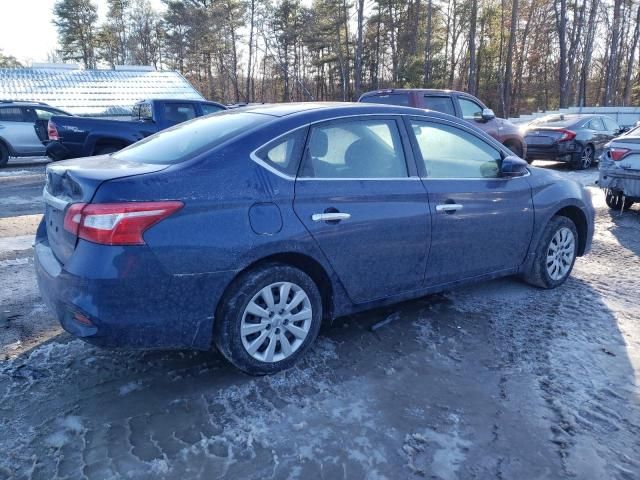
(330, 217)
(448, 207)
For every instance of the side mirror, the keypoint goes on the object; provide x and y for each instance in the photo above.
(487, 114)
(513, 166)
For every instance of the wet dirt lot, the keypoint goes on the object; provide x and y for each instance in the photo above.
(498, 380)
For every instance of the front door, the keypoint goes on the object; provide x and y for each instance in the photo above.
(482, 223)
(365, 207)
(18, 127)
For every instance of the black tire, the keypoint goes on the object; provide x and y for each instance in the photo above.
(538, 273)
(227, 324)
(615, 200)
(585, 158)
(4, 155)
(107, 149)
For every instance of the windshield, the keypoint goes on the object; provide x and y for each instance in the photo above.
(189, 139)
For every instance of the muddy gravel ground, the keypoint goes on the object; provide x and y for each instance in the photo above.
(499, 380)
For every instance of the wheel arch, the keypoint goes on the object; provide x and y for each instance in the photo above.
(108, 142)
(305, 263)
(579, 219)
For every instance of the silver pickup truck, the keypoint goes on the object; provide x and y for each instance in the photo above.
(620, 170)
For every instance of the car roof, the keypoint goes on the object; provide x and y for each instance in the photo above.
(386, 91)
(23, 103)
(324, 109)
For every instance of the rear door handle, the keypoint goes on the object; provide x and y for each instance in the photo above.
(328, 217)
(448, 207)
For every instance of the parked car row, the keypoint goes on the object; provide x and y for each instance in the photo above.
(248, 229)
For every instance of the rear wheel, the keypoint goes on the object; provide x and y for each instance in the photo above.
(615, 200)
(586, 158)
(4, 155)
(268, 319)
(555, 255)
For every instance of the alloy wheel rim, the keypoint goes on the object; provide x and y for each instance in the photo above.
(560, 253)
(276, 322)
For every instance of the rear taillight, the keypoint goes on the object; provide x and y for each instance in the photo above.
(116, 223)
(617, 153)
(567, 135)
(52, 131)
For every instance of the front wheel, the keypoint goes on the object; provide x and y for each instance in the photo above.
(555, 255)
(268, 319)
(615, 200)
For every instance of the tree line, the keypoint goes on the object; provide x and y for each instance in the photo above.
(517, 55)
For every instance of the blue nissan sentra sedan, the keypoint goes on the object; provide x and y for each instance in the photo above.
(248, 229)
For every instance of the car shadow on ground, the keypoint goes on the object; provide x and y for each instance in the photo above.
(626, 228)
(496, 380)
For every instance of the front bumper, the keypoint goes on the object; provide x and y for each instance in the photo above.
(129, 300)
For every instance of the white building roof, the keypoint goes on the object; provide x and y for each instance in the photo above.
(92, 92)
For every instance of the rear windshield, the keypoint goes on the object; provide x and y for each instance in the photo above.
(388, 99)
(189, 139)
(559, 121)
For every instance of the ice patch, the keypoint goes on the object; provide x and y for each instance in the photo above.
(14, 244)
(15, 200)
(15, 262)
(57, 439)
(72, 424)
(18, 173)
(129, 387)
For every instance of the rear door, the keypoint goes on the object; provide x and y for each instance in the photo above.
(359, 196)
(17, 127)
(482, 223)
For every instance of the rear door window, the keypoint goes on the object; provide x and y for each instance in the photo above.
(355, 149)
(596, 124)
(440, 104)
(11, 114)
(401, 99)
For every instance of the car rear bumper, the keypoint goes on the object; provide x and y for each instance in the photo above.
(625, 181)
(123, 299)
(56, 151)
(561, 152)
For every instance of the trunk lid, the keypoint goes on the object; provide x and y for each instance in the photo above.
(76, 181)
(541, 136)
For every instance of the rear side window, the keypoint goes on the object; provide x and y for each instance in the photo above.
(208, 108)
(439, 104)
(187, 140)
(596, 124)
(11, 114)
(175, 113)
(284, 153)
(355, 149)
(401, 99)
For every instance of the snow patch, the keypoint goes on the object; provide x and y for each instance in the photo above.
(14, 244)
(129, 387)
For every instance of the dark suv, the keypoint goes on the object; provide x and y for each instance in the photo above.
(23, 128)
(458, 104)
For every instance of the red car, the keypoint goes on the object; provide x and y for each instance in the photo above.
(458, 104)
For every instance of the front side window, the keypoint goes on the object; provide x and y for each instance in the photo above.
(208, 108)
(355, 149)
(610, 124)
(178, 112)
(439, 104)
(11, 114)
(284, 153)
(470, 109)
(449, 152)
